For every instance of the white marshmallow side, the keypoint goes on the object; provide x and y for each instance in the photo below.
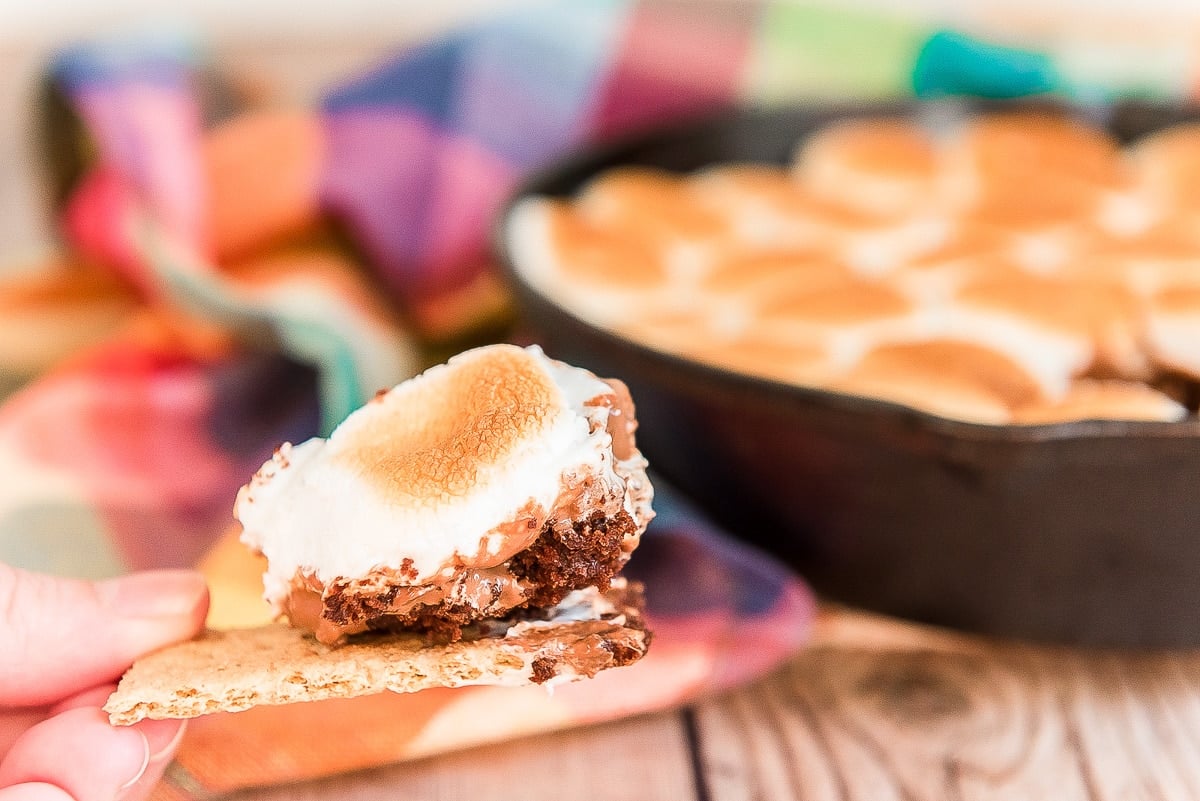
(308, 513)
(1172, 340)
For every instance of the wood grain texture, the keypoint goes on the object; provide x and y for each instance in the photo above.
(875, 710)
(886, 711)
(641, 759)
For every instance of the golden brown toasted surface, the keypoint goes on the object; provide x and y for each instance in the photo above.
(768, 183)
(1103, 400)
(1006, 147)
(1172, 237)
(883, 230)
(1170, 162)
(940, 377)
(599, 254)
(965, 242)
(850, 301)
(878, 147)
(669, 330)
(1036, 169)
(793, 268)
(765, 358)
(649, 204)
(1178, 300)
(275, 664)
(1074, 306)
(926, 364)
(433, 436)
(944, 395)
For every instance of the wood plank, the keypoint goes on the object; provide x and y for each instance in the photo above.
(641, 759)
(893, 712)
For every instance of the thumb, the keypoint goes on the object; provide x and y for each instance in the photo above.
(62, 636)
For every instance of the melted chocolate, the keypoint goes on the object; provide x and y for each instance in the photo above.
(565, 556)
(621, 420)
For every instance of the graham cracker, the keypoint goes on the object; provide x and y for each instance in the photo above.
(277, 664)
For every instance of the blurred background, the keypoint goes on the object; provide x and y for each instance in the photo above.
(292, 53)
(228, 227)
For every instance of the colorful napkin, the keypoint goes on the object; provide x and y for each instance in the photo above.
(234, 274)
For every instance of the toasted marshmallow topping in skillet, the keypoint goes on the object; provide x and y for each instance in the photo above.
(1027, 245)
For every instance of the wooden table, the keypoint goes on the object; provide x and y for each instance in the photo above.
(874, 709)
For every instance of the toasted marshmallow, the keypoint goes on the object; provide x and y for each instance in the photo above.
(651, 205)
(445, 478)
(589, 267)
(1173, 328)
(595, 254)
(1031, 169)
(1168, 165)
(1104, 400)
(788, 361)
(959, 380)
(1035, 243)
(1099, 316)
(883, 167)
(1049, 358)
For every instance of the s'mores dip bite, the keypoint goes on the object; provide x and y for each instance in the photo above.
(466, 527)
(493, 486)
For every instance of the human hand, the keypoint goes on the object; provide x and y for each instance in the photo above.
(63, 643)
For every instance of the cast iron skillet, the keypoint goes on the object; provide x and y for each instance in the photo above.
(1084, 532)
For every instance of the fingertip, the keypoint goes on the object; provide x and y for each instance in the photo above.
(135, 781)
(155, 595)
(93, 697)
(102, 758)
(156, 608)
(63, 636)
(35, 791)
(163, 738)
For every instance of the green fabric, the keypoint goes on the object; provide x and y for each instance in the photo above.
(813, 51)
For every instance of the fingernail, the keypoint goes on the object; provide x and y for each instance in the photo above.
(163, 736)
(153, 593)
(137, 777)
